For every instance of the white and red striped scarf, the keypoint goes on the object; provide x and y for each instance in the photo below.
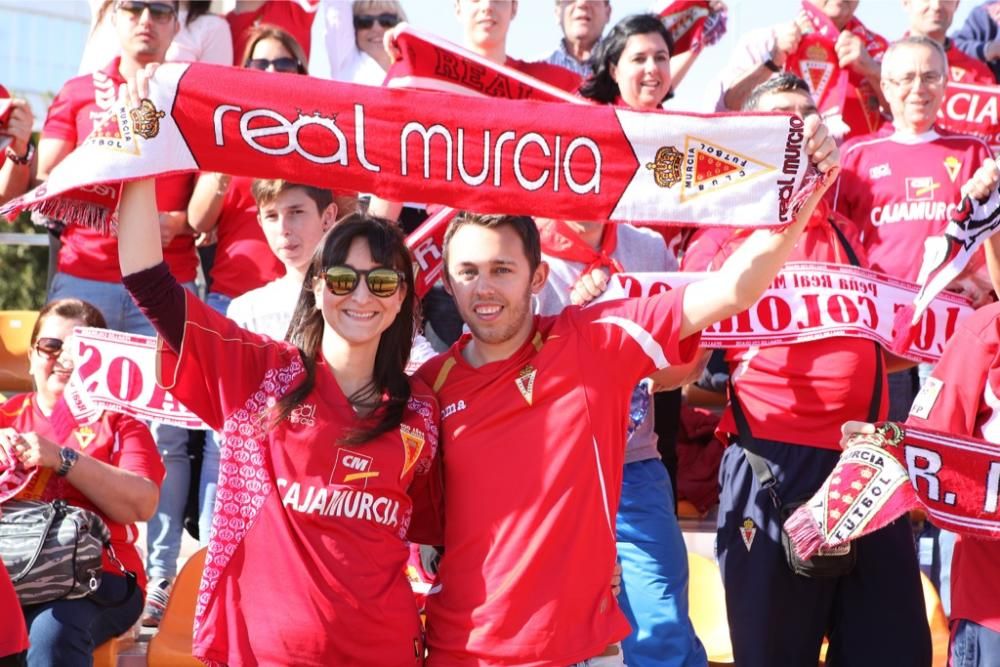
(691, 23)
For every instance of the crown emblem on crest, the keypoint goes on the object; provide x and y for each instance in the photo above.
(146, 119)
(816, 52)
(666, 167)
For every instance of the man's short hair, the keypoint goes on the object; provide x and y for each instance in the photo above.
(522, 225)
(266, 190)
(919, 40)
(785, 82)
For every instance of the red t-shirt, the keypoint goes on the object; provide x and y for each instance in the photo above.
(289, 15)
(116, 439)
(560, 77)
(963, 68)
(533, 453)
(243, 260)
(305, 563)
(900, 189)
(86, 253)
(967, 405)
(14, 637)
(802, 393)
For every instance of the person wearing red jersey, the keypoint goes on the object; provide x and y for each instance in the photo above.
(900, 186)
(14, 641)
(87, 266)
(787, 403)
(763, 53)
(534, 416)
(110, 467)
(979, 36)
(932, 18)
(293, 16)
(324, 438)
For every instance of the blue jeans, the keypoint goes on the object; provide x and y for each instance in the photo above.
(209, 479)
(64, 633)
(166, 527)
(973, 645)
(653, 556)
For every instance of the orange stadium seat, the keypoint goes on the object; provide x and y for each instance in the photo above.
(707, 609)
(106, 655)
(171, 645)
(940, 633)
(15, 337)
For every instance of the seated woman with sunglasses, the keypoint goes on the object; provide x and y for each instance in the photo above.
(354, 49)
(111, 467)
(324, 444)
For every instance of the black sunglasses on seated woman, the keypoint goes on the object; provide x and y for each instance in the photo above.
(50, 347)
(283, 64)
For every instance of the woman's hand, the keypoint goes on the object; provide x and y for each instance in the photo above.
(30, 449)
(18, 126)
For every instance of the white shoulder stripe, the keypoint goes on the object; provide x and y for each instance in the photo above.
(645, 340)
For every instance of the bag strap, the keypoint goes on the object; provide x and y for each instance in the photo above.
(761, 470)
(130, 580)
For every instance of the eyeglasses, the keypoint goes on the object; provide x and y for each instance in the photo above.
(366, 21)
(929, 79)
(50, 347)
(382, 281)
(159, 12)
(284, 64)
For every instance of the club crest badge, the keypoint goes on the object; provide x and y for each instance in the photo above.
(84, 436)
(952, 165)
(525, 382)
(413, 443)
(709, 167)
(666, 166)
(146, 119)
(748, 530)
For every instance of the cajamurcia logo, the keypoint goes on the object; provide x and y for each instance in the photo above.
(666, 166)
(146, 119)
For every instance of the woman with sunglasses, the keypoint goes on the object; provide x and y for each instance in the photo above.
(111, 467)
(324, 444)
(354, 48)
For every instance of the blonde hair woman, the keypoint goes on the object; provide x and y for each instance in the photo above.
(354, 44)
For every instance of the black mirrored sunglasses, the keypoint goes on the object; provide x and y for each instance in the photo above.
(366, 21)
(381, 281)
(50, 347)
(283, 64)
(161, 12)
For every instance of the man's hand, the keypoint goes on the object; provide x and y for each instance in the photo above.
(616, 580)
(786, 40)
(984, 182)
(821, 148)
(19, 125)
(136, 87)
(389, 42)
(850, 428)
(589, 287)
(853, 55)
(172, 223)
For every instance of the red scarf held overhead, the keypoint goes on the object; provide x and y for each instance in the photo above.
(691, 24)
(562, 242)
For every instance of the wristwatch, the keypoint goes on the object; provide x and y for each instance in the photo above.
(67, 458)
(771, 65)
(20, 159)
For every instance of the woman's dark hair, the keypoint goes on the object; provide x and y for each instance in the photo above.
(195, 9)
(267, 31)
(600, 86)
(389, 391)
(69, 309)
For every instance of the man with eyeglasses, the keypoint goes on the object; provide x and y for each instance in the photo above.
(900, 186)
(87, 262)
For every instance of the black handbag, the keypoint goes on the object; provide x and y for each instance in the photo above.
(53, 551)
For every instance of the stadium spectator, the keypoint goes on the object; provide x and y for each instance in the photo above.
(293, 16)
(932, 19)
(786, 405)
(979, 36)
(582, 23)
(761, 54)
(354, 40)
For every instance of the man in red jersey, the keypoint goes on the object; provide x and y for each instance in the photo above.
(87, 266)
(932, 18)
(763, 53)
(534, 417)
(900, 186)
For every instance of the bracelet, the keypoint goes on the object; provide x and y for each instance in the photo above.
(771, 65)
(20, 159)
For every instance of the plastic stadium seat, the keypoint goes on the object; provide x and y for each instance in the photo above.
(707, 608)
(15, 337)
(171, 645)
(106, 655)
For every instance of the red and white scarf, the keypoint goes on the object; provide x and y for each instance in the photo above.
(691, 23)
(971, 109)
(882, 476)
(560, 241)
(812, 301)
(482, 154)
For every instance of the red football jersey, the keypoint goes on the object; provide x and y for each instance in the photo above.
(14, 637)
(116, 439)
(86, 253)
(963, 68)
(533, 453)
(243, 260)
(306, 559)
(961, 397)
(289, 15)
(801, 393)
(900, 188)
